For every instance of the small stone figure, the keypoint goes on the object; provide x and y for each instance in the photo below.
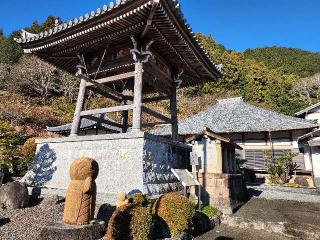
(81, 194)
(122, 199)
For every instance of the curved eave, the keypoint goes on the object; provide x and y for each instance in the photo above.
(109, 15)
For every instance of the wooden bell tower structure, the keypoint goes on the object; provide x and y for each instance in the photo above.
(132, 52)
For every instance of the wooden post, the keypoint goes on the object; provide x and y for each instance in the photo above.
(174, 115)
(127, 92)
(137, 100)
(219, 157)
(80, 102)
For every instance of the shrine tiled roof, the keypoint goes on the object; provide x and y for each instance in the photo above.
(114, 24)
(233, 115)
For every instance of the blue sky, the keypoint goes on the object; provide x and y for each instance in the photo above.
(237, 24)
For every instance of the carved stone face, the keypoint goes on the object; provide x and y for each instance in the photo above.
(83, 168)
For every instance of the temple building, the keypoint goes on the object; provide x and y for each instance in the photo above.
(254, 129)
(311, 141)
(133, 52)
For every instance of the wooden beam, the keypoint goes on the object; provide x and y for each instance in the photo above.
(106, 110)
(150, 18)
(113, 78)
(102, 87)
(111, 66)
(104, 94)
(147, 125)
(102, 120)
(155, 99)
(156, 114)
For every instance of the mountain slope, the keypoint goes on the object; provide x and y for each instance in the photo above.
(290, 60)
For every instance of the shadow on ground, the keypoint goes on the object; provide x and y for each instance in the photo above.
(4, 221)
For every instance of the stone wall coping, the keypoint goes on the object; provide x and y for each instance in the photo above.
(132, 135)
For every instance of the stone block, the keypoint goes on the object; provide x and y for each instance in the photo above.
(127, 162)
(61, 231)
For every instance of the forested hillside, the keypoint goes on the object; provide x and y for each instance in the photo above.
(290, 60)
(34, 94)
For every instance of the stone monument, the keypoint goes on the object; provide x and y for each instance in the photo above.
(78, 216)
(81, 193)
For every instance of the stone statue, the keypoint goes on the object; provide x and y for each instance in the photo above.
(81, 193)
(122, 199)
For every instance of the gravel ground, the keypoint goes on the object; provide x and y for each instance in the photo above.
(27, 223)
(224, 232)
(285, 193)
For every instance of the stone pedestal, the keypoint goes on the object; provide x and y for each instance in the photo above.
(130, 162)
(61, 231)
(225, 191)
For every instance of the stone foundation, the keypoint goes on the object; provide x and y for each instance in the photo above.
(225, 191)
(131, 162)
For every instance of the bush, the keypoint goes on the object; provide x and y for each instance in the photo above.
(130, 222)
(209, 211)
(280, 168)
(118, 226)
(176, 211)
(138, 199)
(10, 142)
(28, 150)
(141, 223)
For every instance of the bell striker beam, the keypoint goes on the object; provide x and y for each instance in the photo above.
(80, 103)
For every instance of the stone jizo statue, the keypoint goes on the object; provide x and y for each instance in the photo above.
(81, 193)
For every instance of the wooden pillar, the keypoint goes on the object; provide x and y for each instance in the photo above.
(219, 157)
(137, 101)
(127, 92)
(80, 103)
(174, 114)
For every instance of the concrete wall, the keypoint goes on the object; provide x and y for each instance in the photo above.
(127, 162)
(316, 165)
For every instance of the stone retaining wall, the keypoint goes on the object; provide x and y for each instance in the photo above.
(127, 162)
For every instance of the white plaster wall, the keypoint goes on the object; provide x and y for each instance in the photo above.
(316, 165)
(307, 158)
(313, 116)
(205, 149)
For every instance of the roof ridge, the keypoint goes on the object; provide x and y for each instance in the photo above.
(289, 118)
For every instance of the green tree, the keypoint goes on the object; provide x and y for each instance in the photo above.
(10, 141)
(290, 60)
(10, 51)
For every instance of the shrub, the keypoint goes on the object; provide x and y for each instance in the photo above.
(130, 222)
(10, 142)
(28, 150)
(176, 211)
(118, 226)
(138, 199)
(141, 223)
(209, 211)
(280, 168)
